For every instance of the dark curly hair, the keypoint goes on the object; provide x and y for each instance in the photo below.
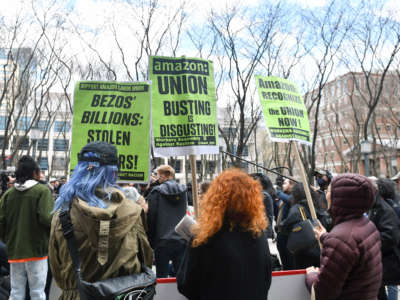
(266, 183)
(386, 188)
(298, 194)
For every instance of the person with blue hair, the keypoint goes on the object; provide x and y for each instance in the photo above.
(109, 229)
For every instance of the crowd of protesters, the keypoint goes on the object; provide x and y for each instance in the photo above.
(355, 256)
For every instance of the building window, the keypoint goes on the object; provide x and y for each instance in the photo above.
(62, 126)
(211, 166)
(58, 163)
(388, 128)
(2, 139)
(338, 89)
(245, 151)
(21, 143)
(198, 165)
(3, 122)
(357, 86)
(42, 144)
(178, 166)
(228, 132)
(44, 164)
(42, 125)
(23, 123)
(60, 145)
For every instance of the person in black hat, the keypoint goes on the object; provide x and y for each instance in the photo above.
(323, 178)
(108, 228)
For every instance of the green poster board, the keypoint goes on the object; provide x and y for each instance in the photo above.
(117, 113)
(284, 111)
(184, 111)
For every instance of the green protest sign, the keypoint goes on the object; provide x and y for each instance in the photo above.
(184, 109)
(284, 111)
(117, 113)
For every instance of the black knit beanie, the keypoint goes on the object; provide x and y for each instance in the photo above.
(107, 153)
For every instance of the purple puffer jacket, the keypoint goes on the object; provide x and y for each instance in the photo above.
(351, 264)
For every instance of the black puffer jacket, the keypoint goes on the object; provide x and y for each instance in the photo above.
(167, 206)
(386, 221)
(308, 257)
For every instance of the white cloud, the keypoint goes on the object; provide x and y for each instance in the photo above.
(309, 3)
(392, 9)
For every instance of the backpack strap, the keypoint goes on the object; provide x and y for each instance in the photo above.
(68, 232)
(302, 213)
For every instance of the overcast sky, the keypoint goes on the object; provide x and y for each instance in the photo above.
(93, 18)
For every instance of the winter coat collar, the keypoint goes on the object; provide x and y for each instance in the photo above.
(26, 185)
(170, 188)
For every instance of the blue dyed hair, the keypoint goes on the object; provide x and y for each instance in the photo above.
(86, 177)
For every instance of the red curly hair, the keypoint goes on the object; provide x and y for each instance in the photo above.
(233, 197)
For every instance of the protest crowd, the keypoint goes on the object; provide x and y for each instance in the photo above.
(117, 228)
(123, 229)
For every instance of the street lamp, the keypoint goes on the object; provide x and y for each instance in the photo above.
(366, 150)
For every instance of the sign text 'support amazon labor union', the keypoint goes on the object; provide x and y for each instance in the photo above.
(117, 113)
(284, 111)
(183, 106)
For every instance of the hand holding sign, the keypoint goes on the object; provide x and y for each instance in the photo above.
(319, 230)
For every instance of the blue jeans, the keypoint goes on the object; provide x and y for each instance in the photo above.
(35, 272)
(392, 292)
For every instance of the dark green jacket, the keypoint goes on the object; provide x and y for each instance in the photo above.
(25, 220)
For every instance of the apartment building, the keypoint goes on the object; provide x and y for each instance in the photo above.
(340, 115)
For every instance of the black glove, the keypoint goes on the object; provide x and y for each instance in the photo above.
(279, 181)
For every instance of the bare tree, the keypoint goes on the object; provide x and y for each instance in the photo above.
(148, 28)
(374, 45)
(329, 30)
(242, 40)
(30, 68)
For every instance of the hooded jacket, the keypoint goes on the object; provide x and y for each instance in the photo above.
(167, 206)
(25, 218)
(102, 256)
(351, 266)
(386, 221)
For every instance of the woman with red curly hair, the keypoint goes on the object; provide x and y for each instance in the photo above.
(229, 256)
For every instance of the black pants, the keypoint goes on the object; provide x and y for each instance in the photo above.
(287, 258)
(170, 251)
(4, 265)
